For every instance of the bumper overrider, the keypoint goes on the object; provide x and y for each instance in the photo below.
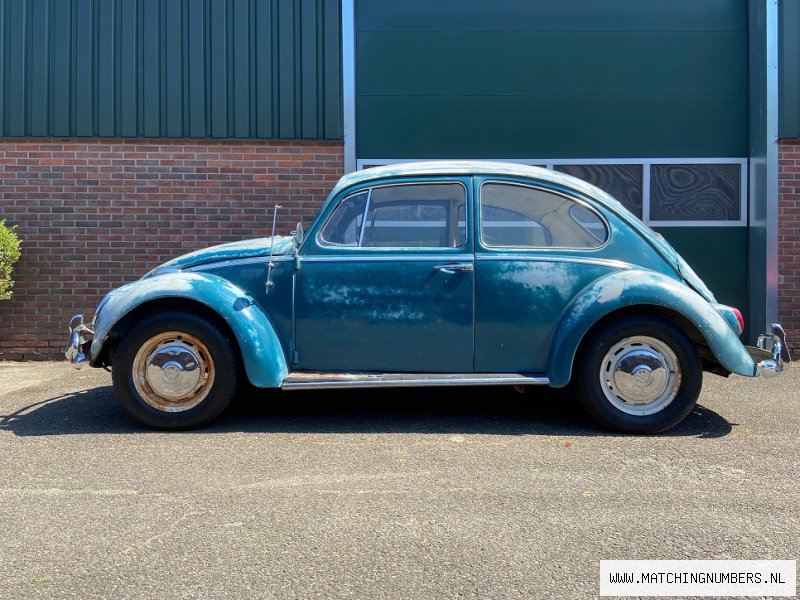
(772, 352)
(81, 334)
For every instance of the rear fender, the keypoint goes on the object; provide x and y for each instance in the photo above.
(636, 287)
(262, 352)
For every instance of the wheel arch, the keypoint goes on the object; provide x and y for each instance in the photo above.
(661, 312)
(163, 304)
(627, 293)
(258, 346)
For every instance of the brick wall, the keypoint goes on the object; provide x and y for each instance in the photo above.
(789, 241)
(96, 214)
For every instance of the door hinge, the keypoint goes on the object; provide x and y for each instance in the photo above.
(296, 263)
(296, 357)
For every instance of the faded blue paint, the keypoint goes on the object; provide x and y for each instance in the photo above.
(251, 276)
(518, 303)
(384, 316)
(388, 309)
(396, 314)
(635, 287)
(255, 248)
(521, 293)
(262, 352)
(729, 316)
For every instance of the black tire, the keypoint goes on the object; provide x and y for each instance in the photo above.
(220, 371)
(594, 381)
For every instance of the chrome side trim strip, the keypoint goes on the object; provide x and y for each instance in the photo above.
(614, 264)
(240, 261)
(604, 262)
(423, 380)
(388, 258)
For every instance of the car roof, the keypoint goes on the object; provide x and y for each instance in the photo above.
(468, 168)
(448, 167)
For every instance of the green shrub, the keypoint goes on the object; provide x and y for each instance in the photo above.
(9, 253)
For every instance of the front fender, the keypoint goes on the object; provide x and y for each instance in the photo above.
(632, 287)
(264, 359)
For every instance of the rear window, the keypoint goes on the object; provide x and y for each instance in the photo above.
(521, 216)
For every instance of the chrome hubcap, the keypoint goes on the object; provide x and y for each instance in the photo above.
(640, 375)
(173, 371)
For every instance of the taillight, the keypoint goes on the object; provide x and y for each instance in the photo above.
(739, 318)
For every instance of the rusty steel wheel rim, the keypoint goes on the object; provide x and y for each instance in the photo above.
(173, 371)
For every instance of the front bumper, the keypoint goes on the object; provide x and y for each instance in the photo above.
(81, 334)
(772, 352)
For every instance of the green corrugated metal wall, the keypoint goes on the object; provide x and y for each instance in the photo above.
(789, 72)
(171, 68)
(551, 78)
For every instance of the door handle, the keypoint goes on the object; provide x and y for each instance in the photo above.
(453, 267)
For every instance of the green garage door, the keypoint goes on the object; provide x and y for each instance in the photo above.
(645, 99)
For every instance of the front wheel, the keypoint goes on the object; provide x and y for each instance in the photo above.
(641, 375)
(175, 370)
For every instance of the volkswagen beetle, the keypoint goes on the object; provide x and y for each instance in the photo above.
(428, 274)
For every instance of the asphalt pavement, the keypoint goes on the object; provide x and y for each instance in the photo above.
(421, 493)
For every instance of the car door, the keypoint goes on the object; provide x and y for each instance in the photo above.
(537, 247)
(386, 281)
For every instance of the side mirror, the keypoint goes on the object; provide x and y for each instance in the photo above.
(298, 234)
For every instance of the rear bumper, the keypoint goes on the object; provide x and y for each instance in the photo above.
(81, 334)
(771, 354)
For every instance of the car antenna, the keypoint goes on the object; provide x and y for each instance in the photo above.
(270, 264)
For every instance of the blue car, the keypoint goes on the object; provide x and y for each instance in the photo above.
(429, 274)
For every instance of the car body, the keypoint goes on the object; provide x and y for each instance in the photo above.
(438, 273)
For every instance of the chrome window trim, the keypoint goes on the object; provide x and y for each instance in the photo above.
(322, 244)
(588, 227)
(533, 186)
(551, 163)
(363, 219)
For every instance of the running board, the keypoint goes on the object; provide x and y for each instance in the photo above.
(320, 380)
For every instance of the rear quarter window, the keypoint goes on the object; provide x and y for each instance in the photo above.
(521, 216)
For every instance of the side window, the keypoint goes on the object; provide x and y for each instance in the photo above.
(400, 216)
(520, 216)
(344, 226)
(503, 227)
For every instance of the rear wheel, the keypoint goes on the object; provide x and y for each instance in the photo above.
(640, 374)
(175, 371)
